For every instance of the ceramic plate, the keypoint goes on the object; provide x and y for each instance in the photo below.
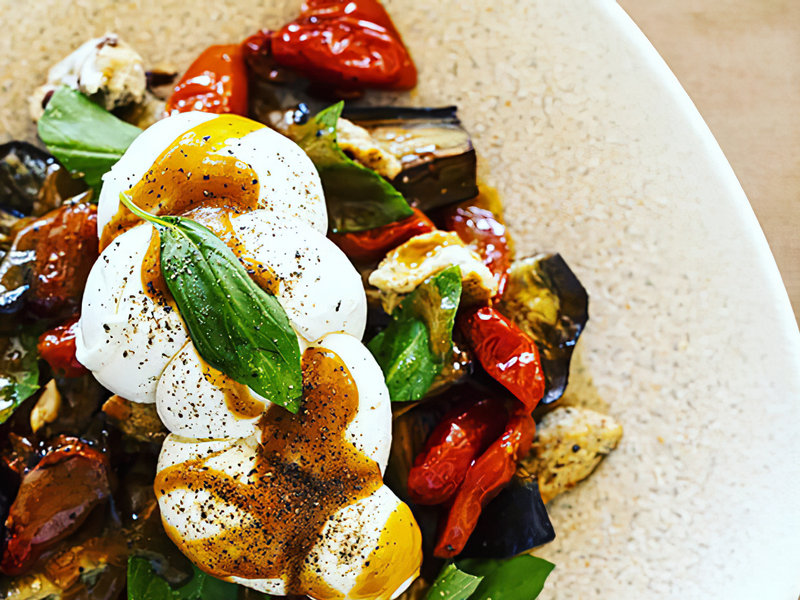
(600, 155)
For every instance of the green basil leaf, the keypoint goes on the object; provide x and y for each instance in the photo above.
(145, 584)
(357, 197)
(19, 372)
(518, 578)
(453, 584)
(237, 327)
(412, 349)
(83, 136)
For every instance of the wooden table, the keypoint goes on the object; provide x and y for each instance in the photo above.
(739, 60)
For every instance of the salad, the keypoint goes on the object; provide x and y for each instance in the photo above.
(263, 338)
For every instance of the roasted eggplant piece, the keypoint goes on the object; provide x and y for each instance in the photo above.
(514, 522)
(23, 169)
(546, 300)
(435, 151)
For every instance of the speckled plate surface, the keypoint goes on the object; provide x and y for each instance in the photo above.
(600, 155)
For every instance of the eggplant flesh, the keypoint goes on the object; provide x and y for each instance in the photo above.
(547, 301)
(23, 169)
(435, 151)
(514, 522)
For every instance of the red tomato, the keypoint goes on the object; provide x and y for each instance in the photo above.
(348, 44)
(216, 82)
(373, 244)
(57, 347)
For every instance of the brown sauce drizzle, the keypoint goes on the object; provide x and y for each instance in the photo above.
(306, 470)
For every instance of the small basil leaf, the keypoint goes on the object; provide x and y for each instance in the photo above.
(84, 137)
(237, 327)
(412, 349)
(518, 578)
(453, 584)
(145, 584)
(19, 372)
(357, 197)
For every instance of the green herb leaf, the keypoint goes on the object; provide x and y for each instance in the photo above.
(412, 349)
(145, 584)
(237, 327)
(518, 578)
(357, 197)
(453, 584)
(19, 372)
(84, 137)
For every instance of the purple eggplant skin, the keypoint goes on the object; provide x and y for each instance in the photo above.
(514, 522)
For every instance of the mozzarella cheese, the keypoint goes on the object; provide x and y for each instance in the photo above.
(140, 349)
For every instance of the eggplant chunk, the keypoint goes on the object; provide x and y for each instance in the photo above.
(546, 300)
(570, 442)
(435, 152)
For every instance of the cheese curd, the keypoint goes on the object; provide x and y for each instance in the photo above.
(237, 474)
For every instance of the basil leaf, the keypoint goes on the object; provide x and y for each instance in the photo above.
(357, 197)
(83, 136)
(237, 327)
(453, 584)
(145, 584)
(19, 372)
(412, 349)
(518, 578)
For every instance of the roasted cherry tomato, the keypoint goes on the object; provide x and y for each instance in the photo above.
(373, 244)
(57, 347)
(505, 351)
(54, 498)
(347, 44)
(66, 248)
(457, 440)
(480, 229)
(484, 480)
(216, 82)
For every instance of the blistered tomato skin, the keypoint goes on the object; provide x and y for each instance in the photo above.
(66, 249)
(506, 352)
(57, 347)
(347, 44)
(452, 447)
(373, 244)
(480, 229)
(54, 499)
(216, 82)
(484, 480)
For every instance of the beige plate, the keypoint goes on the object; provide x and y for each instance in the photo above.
(601, 155)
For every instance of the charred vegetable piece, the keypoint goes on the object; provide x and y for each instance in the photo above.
(135, 419)
(435, 151)
(19, 372)
(484, 480)
(372, 244)
(55, 497)
(357, 197)
(507, 353)
(462, 435)
(481, 231)
(512, 523)
(413, 348)
(216, 82)
(23, 170)
(346, 45)
(57, 347)
(546, 300)
(66, 249)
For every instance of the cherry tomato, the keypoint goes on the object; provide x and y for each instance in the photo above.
(53, 500)
(348, 44)
(506, 352)
(480, 229)
(372, 244)
(57, 347)
(484, 480)
(216, 82)
(457, 440)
